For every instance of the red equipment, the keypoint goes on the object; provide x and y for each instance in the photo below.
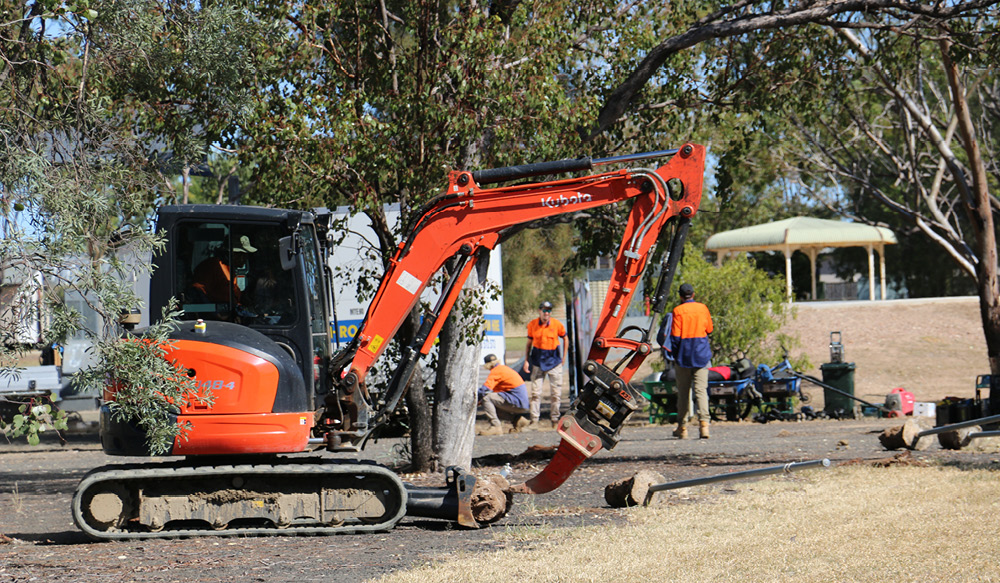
(278, 390)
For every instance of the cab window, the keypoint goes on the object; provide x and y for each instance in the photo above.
(232, 272)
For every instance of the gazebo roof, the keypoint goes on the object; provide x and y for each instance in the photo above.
(799, 233)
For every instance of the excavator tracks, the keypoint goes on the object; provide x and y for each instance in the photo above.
(313, 498)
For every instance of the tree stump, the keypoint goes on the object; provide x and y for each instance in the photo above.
(631, 491)
(957, 438)
(904, 436)
(491, 499)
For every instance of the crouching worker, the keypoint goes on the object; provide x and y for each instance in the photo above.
(503, 393)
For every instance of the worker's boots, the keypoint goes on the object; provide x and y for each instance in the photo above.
(492, 430)
(703, 429)
(681, 432)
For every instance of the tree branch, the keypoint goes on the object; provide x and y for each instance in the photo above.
(619, 101)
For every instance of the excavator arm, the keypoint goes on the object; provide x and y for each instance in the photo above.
(466, 222)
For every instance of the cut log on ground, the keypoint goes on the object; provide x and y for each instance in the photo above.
(631, 491)
(957, 438)
(906, 436)
(491, 499)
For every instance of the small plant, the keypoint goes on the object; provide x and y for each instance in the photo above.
(33, 419)
(17, 502)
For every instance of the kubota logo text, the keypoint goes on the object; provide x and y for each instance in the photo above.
(563, 200)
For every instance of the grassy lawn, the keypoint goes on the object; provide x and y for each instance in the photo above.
(847, 523)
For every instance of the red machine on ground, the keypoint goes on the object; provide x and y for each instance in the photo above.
(256, 286)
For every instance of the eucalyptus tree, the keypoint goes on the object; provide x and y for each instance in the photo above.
(880, 100)
(72, 202)
(380, 100)
(89, 91)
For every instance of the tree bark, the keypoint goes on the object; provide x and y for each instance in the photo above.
(457, 376)
(980, 214)
(421, 445)
(418, 409)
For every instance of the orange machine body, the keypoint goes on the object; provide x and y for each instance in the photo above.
(255, 403)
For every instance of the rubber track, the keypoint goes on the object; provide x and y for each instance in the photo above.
(129, 473)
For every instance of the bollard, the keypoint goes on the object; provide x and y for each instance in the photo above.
(783, 469)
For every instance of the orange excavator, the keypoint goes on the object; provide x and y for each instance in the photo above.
(255, 287)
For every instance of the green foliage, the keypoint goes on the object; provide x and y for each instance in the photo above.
(385, 98)
(748, 307)
(149, 386)
(88, 92)
(32, 419)
(180, 74)
(533, 269)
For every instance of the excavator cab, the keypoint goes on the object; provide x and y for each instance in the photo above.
(255, 297)
(257, 267)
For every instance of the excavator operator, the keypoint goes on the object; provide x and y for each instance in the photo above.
(215, 281)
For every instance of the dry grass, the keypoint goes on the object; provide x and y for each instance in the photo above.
(849, 523)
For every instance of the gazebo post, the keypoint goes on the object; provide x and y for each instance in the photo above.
(871, 273)
(788, 274)
(812, 252)
(881, 267)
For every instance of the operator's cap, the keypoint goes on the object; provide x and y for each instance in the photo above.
(546, 305)
(245, 246)
(490, 361)
(687, 290)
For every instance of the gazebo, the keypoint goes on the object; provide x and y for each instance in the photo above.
(809, 235)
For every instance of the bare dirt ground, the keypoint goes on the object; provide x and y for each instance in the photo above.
(934, 349)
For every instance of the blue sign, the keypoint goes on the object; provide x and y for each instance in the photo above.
(348, 329)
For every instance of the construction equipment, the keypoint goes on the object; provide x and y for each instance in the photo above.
(256, 285)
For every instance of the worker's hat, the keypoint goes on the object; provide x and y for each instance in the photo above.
(245, 246)
(546, 305)
(490, 361)
(686, 291)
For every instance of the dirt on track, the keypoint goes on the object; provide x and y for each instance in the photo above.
(932, 345)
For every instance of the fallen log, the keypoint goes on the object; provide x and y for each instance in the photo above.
(909, 434)
(631, 491)
(902, 436)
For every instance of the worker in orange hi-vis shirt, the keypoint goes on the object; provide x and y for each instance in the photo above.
(542, 358)
(503, 393)
(692, 353)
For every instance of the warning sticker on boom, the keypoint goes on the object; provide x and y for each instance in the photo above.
(407, 281)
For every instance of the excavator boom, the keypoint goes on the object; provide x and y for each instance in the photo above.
(468, 221)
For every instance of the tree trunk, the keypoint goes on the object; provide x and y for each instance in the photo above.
(419, 411)
(457, 376)
(421, 446)
(980, 215)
